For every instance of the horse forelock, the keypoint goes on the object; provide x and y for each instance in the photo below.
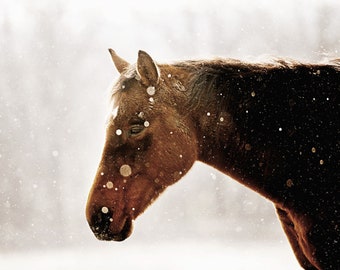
(120, 85)
(117, 87)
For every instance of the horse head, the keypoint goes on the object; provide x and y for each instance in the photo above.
(150, 144)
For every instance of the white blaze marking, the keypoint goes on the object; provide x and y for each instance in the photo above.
(114, 112)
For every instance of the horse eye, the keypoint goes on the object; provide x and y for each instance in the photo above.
(136, 129)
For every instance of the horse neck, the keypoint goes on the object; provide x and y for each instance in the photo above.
(251, 122)
(221, 144)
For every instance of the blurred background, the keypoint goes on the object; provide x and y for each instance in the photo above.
(54, 76)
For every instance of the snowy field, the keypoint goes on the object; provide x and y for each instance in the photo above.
(165, 256)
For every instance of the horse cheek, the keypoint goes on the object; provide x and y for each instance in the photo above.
(176, 158)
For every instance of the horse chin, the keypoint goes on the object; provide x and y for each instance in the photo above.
(107, 235)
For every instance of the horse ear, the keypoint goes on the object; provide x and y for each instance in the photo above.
(120, 63)
(147, 69)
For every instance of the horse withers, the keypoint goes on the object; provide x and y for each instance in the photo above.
(274, 127)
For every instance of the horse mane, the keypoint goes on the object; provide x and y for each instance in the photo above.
(229, 78)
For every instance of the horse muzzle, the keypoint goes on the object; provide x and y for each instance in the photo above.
(106, 228)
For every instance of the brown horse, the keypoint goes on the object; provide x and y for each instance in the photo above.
(273, 127)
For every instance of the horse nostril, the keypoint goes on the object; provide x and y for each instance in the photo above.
(100, 223)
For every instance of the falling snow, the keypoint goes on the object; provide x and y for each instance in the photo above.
(151, 100)
(105, 210)
(125, 170)
(109, 185)
(119, 132)
(289, 183)
(151, 90)
(247, 147)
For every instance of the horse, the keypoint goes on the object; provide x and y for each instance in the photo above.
(273, 127)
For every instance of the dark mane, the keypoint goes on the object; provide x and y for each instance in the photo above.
(238, 84)
(219, 77)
